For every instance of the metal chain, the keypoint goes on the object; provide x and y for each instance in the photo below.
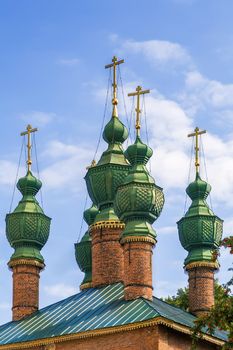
(84, 208)
(104, 115)
(37, 167)
(189, 174)
(17, 174)
(203, 153)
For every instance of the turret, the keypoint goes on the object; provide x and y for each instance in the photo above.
(27, 230)
(139, 202)
(83, 249)
(102, 181)
(200, 232)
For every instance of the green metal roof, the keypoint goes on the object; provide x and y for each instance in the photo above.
(90, 310)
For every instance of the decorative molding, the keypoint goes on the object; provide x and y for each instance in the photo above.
(85, 285)
(105, 331)
(192, 265)
(17, 262)
(107, 224)
(138, 239)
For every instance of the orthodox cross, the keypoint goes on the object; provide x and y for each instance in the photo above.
(197, 132)
(138, 93)
(29, 145)
(114, 64)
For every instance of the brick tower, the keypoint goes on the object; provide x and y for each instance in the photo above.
(102, 181)
(138, 203)
(200, 232)
(27, 230)
(83, 249)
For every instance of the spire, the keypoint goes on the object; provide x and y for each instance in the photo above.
(83, 248)
(138, 93)
(139, 201)
(114, 65)
(197, 132)
(200, 230)
(138, 204)
(29, 146)
(104, 177)
(27, 228)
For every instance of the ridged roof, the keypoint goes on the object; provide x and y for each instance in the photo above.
(89, 310)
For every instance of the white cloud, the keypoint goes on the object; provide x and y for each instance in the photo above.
(65, 172)
(158, 51)
(60, 290)
(70, 62)
(38, 118)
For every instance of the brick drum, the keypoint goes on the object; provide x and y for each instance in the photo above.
(25, 289)
(138, 270)
(107, 256)
(201, 289)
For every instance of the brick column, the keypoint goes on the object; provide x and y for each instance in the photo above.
(26, 274)
(107, 253)
(201, 287)
(138, 267)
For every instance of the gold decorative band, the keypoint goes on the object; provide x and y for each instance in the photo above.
(107, 224)
(85, 285)
(17, 262)
(138, 239)
(210, 264)
(111, 330)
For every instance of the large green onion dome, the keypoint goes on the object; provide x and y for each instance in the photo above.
(27, 227)
(139, 201)
(83, 248)
(108, 174)
(200, 230)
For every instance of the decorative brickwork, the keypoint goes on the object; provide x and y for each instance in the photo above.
(26, 274)
(138, 269)
(201, 288)
(150, 338)
(107, 254)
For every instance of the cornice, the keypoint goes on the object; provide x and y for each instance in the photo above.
(112, 330)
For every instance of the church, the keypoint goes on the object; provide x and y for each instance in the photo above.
(115, 308)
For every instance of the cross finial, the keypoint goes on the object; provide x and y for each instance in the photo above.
(114, 64)
(29, 145)
(138, 92)
(197, 132)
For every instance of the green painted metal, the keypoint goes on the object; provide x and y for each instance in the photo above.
(83, 248)
(103, 179)
(27, 228)
(139, 201)
(200, 230)
(92, 309)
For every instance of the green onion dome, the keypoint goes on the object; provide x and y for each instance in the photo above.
(83, 248)
(104, 178)
(139, 201)
(200, 230)
(27, 228)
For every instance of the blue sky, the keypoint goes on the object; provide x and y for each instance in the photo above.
(52, 57)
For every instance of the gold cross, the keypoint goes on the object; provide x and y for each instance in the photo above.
(114, 64)
(138, 92)
(29, 145)
(197, 132)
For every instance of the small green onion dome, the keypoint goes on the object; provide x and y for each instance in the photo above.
(198, 189)
(115, 131)
(139, 152)
(27, 228)
(200, 230)
(83, 248)
(138, 201)
(104, 178)
(90, 214)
